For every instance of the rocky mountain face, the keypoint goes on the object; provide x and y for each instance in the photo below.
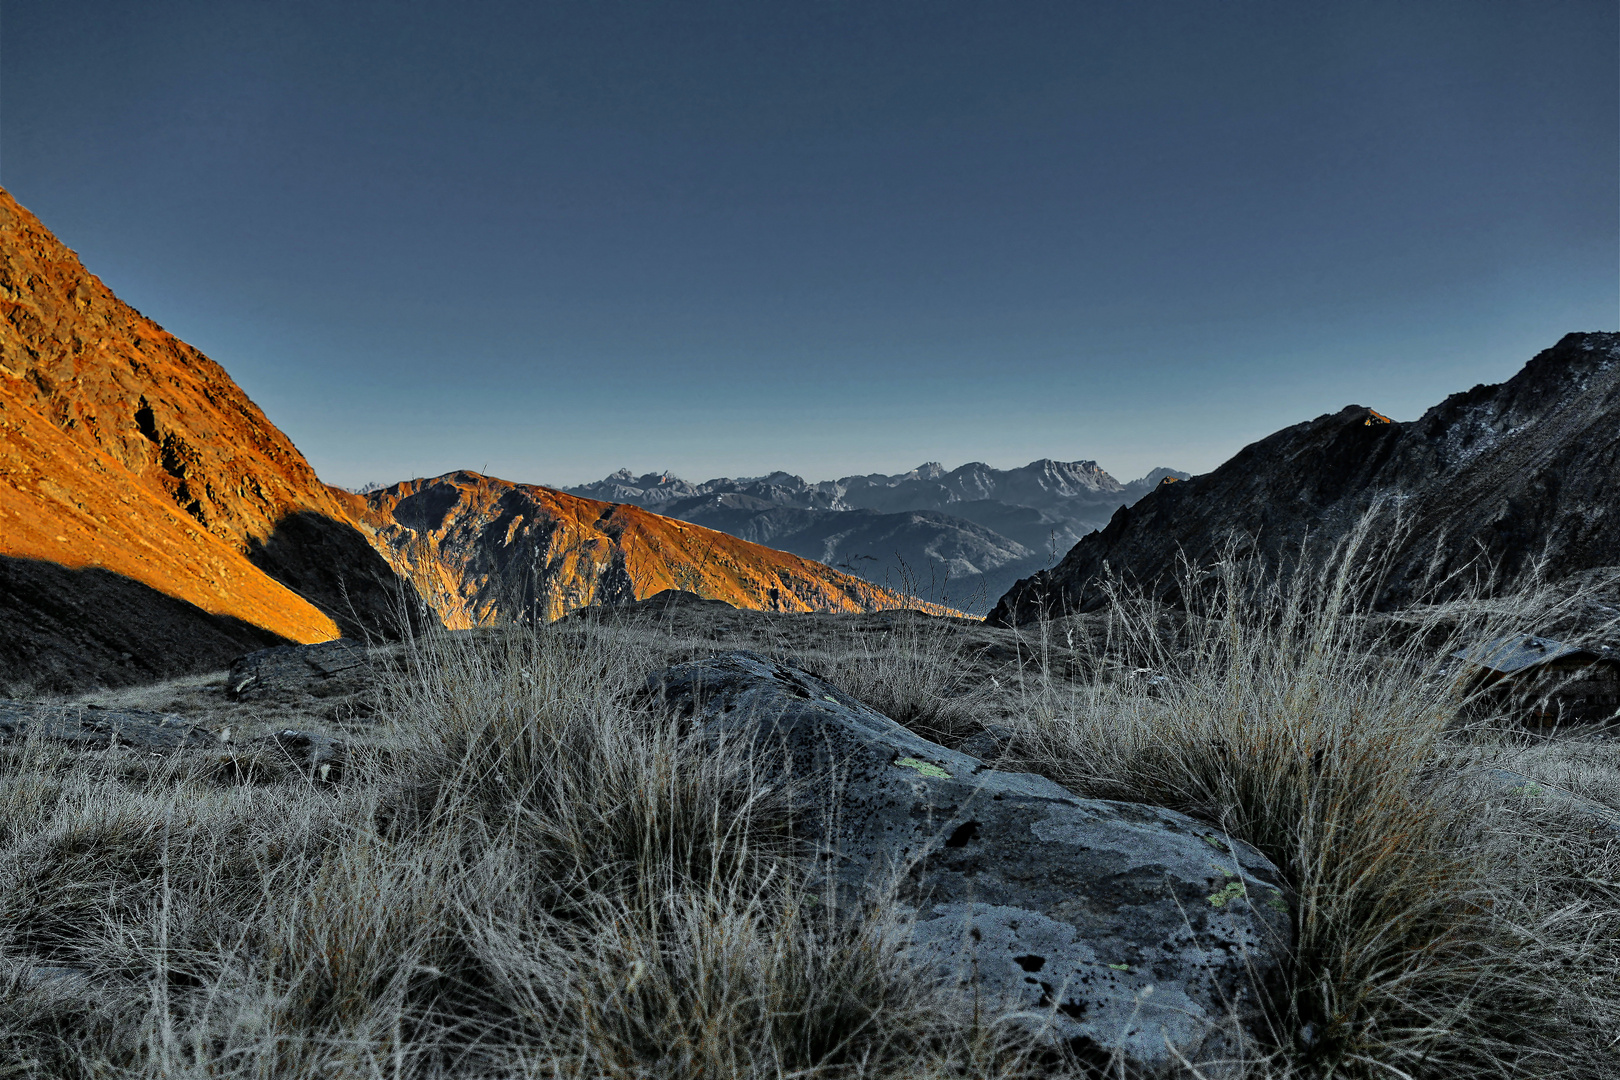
(482, 549)
(961, 536)
(1510, 475)
(152, 520)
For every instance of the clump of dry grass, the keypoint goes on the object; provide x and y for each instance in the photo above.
(1437, 936)
(915, 668)
(542, 878)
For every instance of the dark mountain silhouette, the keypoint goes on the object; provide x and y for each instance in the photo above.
(1503, 475)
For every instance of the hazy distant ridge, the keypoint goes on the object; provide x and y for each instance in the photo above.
(963, 535)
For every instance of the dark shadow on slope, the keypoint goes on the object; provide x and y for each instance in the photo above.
(63, 631)
(331, 564)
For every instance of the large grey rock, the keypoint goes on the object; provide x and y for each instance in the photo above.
(1134, 935)
(93, 727)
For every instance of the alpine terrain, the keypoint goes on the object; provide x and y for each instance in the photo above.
(154, 522)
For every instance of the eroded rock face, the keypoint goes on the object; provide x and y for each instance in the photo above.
(1134, 935)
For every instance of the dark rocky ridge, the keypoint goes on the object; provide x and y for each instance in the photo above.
(1516, 472)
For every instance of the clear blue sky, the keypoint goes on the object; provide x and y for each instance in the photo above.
(553, 239)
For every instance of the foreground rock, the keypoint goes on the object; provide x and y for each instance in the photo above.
(312, 754)
(1135, 936)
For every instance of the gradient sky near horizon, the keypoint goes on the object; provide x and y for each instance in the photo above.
(550, 239)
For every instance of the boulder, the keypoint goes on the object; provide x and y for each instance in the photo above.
(656, 604)
(336, 666)
(1135, 936)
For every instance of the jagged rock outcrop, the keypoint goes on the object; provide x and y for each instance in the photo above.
(1504, 474)
(133, 468)
(482, 549)
(1136, 936)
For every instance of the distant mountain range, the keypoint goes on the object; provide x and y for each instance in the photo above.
(154, 522)
(1522, 476)
(961, 536)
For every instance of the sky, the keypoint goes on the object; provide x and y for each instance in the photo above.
(547, 240)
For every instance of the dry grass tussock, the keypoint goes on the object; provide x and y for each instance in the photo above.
(1446, 928)
(535, 875)
(540, 877)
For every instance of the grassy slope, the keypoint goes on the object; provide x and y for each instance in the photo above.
(540, 878)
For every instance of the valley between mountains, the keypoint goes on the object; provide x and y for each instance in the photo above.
(959, 537)
(154, 522)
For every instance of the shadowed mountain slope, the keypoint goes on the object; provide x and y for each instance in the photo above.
(482, 548)
(125, 450)
(75, 629)
(1515, 472)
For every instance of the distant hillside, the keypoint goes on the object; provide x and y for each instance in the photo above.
(962, 536)
(152, 520)
(483, 549)
(1516, 472)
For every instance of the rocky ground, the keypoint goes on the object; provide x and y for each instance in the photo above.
(1165, 881)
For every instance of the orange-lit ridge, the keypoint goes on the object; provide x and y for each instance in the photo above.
(124, 448)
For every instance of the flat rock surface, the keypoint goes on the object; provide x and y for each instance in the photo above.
(1134, 935)
(92, 727)
(1517, 784)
